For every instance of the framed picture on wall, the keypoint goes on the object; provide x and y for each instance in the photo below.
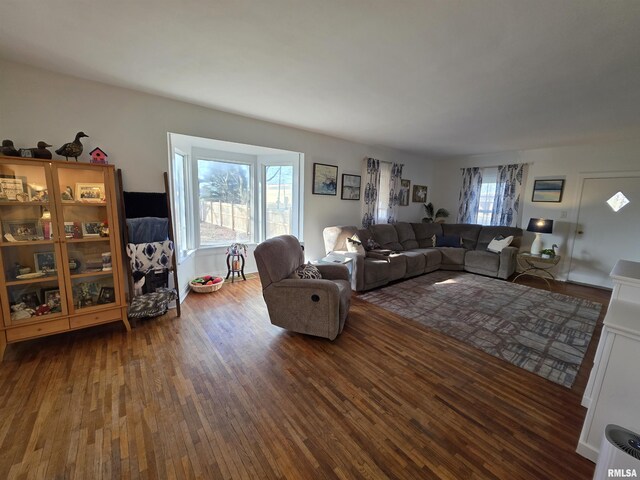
(403, 195)
(548, 190)
(350, 187)
(325, 179)
(419, 194)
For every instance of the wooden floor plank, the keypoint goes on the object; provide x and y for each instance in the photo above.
(222, 393)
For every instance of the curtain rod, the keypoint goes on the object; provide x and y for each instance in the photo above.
(496, 166)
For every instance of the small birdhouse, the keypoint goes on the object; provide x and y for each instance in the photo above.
(98, 156)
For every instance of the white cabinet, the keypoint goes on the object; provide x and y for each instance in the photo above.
(613, 391)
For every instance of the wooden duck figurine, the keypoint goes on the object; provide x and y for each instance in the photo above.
(72, 149)
(8, 150)
(41, 151)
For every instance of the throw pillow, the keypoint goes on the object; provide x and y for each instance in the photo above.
(448, 241)
(499, 243)
(371, 244)
(355, 245)
(307, 271)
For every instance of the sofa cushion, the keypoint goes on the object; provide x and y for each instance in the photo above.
(386, 235)
(406, 235)
(397, 266)
(448, 241)
(489, 233)
(376, 272)
(468, 232)
(306, 271)
(354, 244)
(433, 256)
(452, 257)
(335, 238)
(499, 243)
(425, 232)
(416, 263)
(484, 261)
(366, 237)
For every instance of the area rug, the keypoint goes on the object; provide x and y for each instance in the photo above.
(545, 333)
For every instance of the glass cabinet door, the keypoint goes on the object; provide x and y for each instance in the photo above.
(30, 256)
(87, 245)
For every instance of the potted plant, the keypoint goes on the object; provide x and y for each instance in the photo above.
(547, 253)
(438, 217)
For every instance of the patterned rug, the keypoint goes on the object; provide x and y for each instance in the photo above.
(543, 332)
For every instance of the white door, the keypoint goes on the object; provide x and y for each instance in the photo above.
(603, 236)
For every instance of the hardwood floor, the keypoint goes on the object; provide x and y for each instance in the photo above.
(221, 393)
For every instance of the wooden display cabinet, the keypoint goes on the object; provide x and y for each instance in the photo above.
(60, 251)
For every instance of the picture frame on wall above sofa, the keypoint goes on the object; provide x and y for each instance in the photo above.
(325, 179)
(419, 194)
(350, 187)
(403, 195)
(548, 190)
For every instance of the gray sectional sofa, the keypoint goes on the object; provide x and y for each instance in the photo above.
(413, 253)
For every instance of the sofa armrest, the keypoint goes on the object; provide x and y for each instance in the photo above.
(508, 262)
(334, 272)
(378, 255)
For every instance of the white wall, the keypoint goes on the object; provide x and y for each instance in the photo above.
(132, 128)
(560, 162)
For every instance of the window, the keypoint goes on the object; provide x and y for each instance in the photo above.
(278, 197)
(181, 205)
(383, 192)
(226, 193)
(486, 201)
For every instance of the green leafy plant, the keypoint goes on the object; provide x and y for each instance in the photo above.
(548, 251)
(433, 215)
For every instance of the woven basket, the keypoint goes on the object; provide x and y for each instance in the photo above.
(206, 288)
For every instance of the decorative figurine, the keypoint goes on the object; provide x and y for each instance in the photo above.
(72, 149)
(8, 150)
(41, 151)
(67, 194)
(98, 156)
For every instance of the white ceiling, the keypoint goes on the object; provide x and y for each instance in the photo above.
(437, 77)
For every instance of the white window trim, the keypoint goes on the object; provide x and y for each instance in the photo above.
(256, 164)
(295, 201)
(182, 254)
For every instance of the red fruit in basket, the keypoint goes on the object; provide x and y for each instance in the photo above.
(217, 280)
(209, 283)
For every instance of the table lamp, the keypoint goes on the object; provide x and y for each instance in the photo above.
(539, 226)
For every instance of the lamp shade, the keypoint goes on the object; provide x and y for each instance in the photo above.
(540, 225)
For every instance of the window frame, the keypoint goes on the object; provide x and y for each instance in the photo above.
(263, 163)
(196, 196)
(188, 248)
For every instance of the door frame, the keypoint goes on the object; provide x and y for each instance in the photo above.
(578, 203)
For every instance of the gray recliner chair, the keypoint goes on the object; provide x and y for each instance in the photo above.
(315, 307)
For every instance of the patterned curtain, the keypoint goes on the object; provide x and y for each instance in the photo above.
(394, 192)
(506, 205)
(370, 197)
(469, 198)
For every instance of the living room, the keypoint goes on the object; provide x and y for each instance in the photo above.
(434, 87)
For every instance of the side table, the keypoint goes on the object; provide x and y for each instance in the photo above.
(235, 265)
(335, 258)
(536, 266)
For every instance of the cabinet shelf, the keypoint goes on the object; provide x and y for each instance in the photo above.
(44, 279)
(27, 242)
(98, 273)
(83, 204)
(16, 203)
(87, 239)
(64, 289)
